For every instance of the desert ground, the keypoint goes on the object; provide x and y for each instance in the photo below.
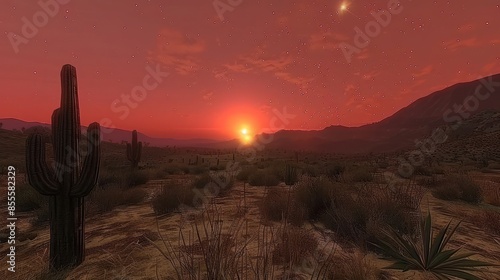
(187, 213)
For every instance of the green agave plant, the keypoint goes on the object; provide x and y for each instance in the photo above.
(429, 254)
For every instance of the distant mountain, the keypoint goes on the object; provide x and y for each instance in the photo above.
(117, 135)
(400, 130)
(396, 132)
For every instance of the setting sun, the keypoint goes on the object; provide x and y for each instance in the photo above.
(245, 136)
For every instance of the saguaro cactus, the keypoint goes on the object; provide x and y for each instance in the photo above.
(134, 150)
(291, 175)
(68, 182)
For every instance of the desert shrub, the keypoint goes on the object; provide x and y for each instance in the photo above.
(217, 167)
(170, 198)
(197, 169)
(348, 218)
(427, 181)
(224, 180)
(361, 174)
(279, 168)
(446, 191)
(458, 187)
(310, 170)
(185, 168)
(488, 220)
(263, 178)
(202, 180)
(28, 199)
(359, 215)
(399, 212)
(314, 195)
(169, 169)
(245, 172)
(335, 171)
(274, 205)
(136, 178)
(104, 200)
(295, 245)
(107, 177)
(278, 204)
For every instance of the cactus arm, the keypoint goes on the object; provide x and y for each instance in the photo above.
(129, 152)
(134, 150)
(39, 174)
(90, 172)
(138, 152)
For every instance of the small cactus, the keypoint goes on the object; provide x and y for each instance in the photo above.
(291, 175)
(68, 183)
(134, 150)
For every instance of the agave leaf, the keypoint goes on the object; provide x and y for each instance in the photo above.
(460, 274)
(432, 257)
(441, 258)
(438, 245)
(426, 230)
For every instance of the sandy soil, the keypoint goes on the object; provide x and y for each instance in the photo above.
(116, 246)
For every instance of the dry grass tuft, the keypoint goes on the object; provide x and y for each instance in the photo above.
(170, 198)
(458, 187)
(489, 220)
(294, 245)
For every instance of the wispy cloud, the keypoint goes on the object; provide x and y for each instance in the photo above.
(326, 40)
(424, 71)
(261, 61)
(176, 50)
(462, 43)
(207, 96)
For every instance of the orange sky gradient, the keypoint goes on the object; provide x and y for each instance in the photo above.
(228, 74)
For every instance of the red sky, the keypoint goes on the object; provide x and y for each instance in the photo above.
(230, 71)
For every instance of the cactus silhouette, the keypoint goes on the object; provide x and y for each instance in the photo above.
(134, 150)
(67, 183)
(291, 175)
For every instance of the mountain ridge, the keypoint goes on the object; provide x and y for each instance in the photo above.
(398, 131)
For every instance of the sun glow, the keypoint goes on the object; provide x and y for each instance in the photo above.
(245, 136)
